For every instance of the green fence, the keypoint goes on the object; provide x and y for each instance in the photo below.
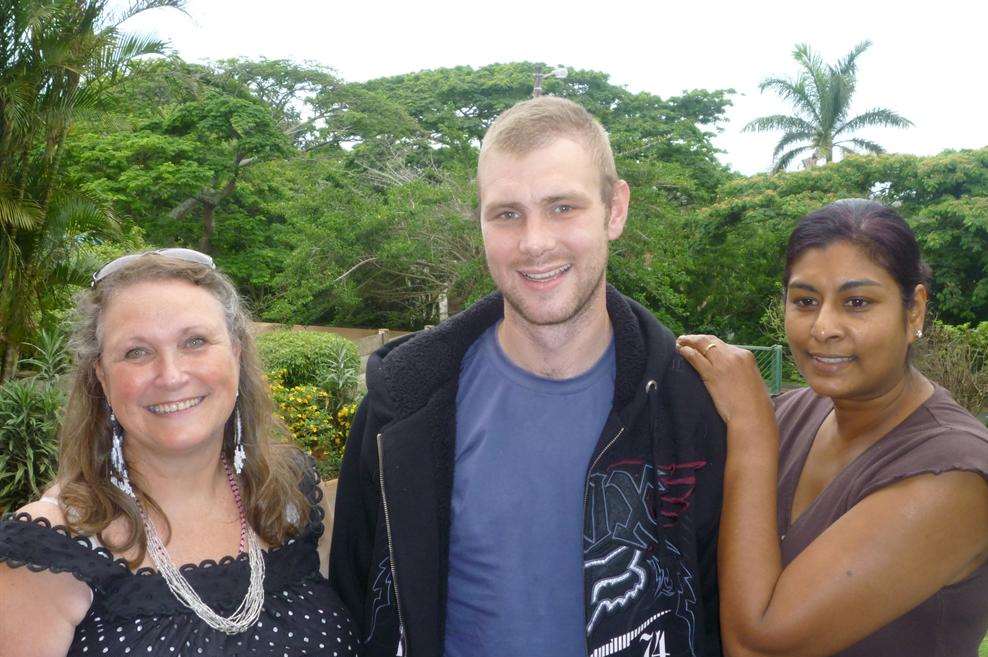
(769, 361)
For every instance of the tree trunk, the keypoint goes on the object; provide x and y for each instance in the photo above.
(208, 225)
(8, 364)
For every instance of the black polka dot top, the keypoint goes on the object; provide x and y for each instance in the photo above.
(135, 614)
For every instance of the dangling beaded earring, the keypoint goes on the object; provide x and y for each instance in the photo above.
(239, 453)
(118, 467)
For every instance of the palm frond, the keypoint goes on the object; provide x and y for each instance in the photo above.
(806, 58)
(789, 139)
(16, 100)
(863, 144)
(848, 66)
(879, 117)
(129, 46)
(17, 215)
(793, 91)
(75, 213)
(779, 122)
(74, 268)
(115, 19)
(786, 160)
(814, 79)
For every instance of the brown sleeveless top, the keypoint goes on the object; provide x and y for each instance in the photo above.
(938, 437)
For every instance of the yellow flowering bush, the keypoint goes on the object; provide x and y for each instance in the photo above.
(319, 425)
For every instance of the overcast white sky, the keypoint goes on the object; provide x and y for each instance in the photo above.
(928, 61)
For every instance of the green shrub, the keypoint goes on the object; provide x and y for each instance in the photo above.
(51, 358)
(313, 358)
(29, 416)
(30, 412)
(773, 323)
(318, 425)
(956, 357)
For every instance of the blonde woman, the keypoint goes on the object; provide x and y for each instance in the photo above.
(168, 457)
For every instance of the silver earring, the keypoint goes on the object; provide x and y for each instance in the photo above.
(239, 453)
(919, 333)
(118, 467)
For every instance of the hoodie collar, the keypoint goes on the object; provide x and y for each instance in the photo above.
(413, 370)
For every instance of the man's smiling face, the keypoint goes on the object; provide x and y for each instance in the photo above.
(546, 230)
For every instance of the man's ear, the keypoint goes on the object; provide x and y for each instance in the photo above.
(620, 198)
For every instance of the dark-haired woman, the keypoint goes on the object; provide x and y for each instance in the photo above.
(866, 534)
(168, 458)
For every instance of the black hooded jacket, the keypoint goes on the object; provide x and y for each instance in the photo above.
(652, 501)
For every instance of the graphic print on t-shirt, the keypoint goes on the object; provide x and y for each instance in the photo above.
(626, 562)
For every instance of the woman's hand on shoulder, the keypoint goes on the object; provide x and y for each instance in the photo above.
(39, 611)
(731, 376)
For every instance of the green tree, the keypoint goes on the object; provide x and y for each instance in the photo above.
(743, 233)
(821, 94)
(390, 233)
(58, 59)
(184, 138)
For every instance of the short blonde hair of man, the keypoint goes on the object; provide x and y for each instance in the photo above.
(537, 122)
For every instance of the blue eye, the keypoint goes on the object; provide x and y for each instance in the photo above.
(562, 209)
(195, 342)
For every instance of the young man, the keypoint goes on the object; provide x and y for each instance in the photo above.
(541, 474)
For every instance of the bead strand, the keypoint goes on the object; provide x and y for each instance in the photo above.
(249, 610)
(235, 489)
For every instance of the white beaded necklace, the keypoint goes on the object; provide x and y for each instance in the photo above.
(250, 608)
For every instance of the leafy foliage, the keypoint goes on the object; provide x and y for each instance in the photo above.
(28, 445)
(312, 358)
(821, 95)
(742, 235)
(51, 359)
(58, 59)
(380, 233)
(30, 412)
(352, 203)
(318, 423)
(956, 357)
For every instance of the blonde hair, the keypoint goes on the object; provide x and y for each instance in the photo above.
(537, 122)
(273, 470)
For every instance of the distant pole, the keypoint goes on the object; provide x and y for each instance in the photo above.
(558, 73)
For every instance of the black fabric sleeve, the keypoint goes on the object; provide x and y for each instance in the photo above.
(712, 434)
(35, 544)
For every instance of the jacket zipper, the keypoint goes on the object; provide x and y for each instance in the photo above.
(586, 499)
(391, 549)
(586, 485)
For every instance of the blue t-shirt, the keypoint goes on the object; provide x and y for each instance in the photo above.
(523, 444)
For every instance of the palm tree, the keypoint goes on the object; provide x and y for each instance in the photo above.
(821, 95)
(57, 60)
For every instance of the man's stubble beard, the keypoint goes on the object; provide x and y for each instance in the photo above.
(578, 311)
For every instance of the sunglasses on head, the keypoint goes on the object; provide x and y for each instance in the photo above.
(188, 255)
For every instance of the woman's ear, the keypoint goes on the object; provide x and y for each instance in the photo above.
(100, 375)
(916, 313)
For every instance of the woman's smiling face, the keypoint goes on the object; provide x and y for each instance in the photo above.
(168, 366)
(846, 323)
